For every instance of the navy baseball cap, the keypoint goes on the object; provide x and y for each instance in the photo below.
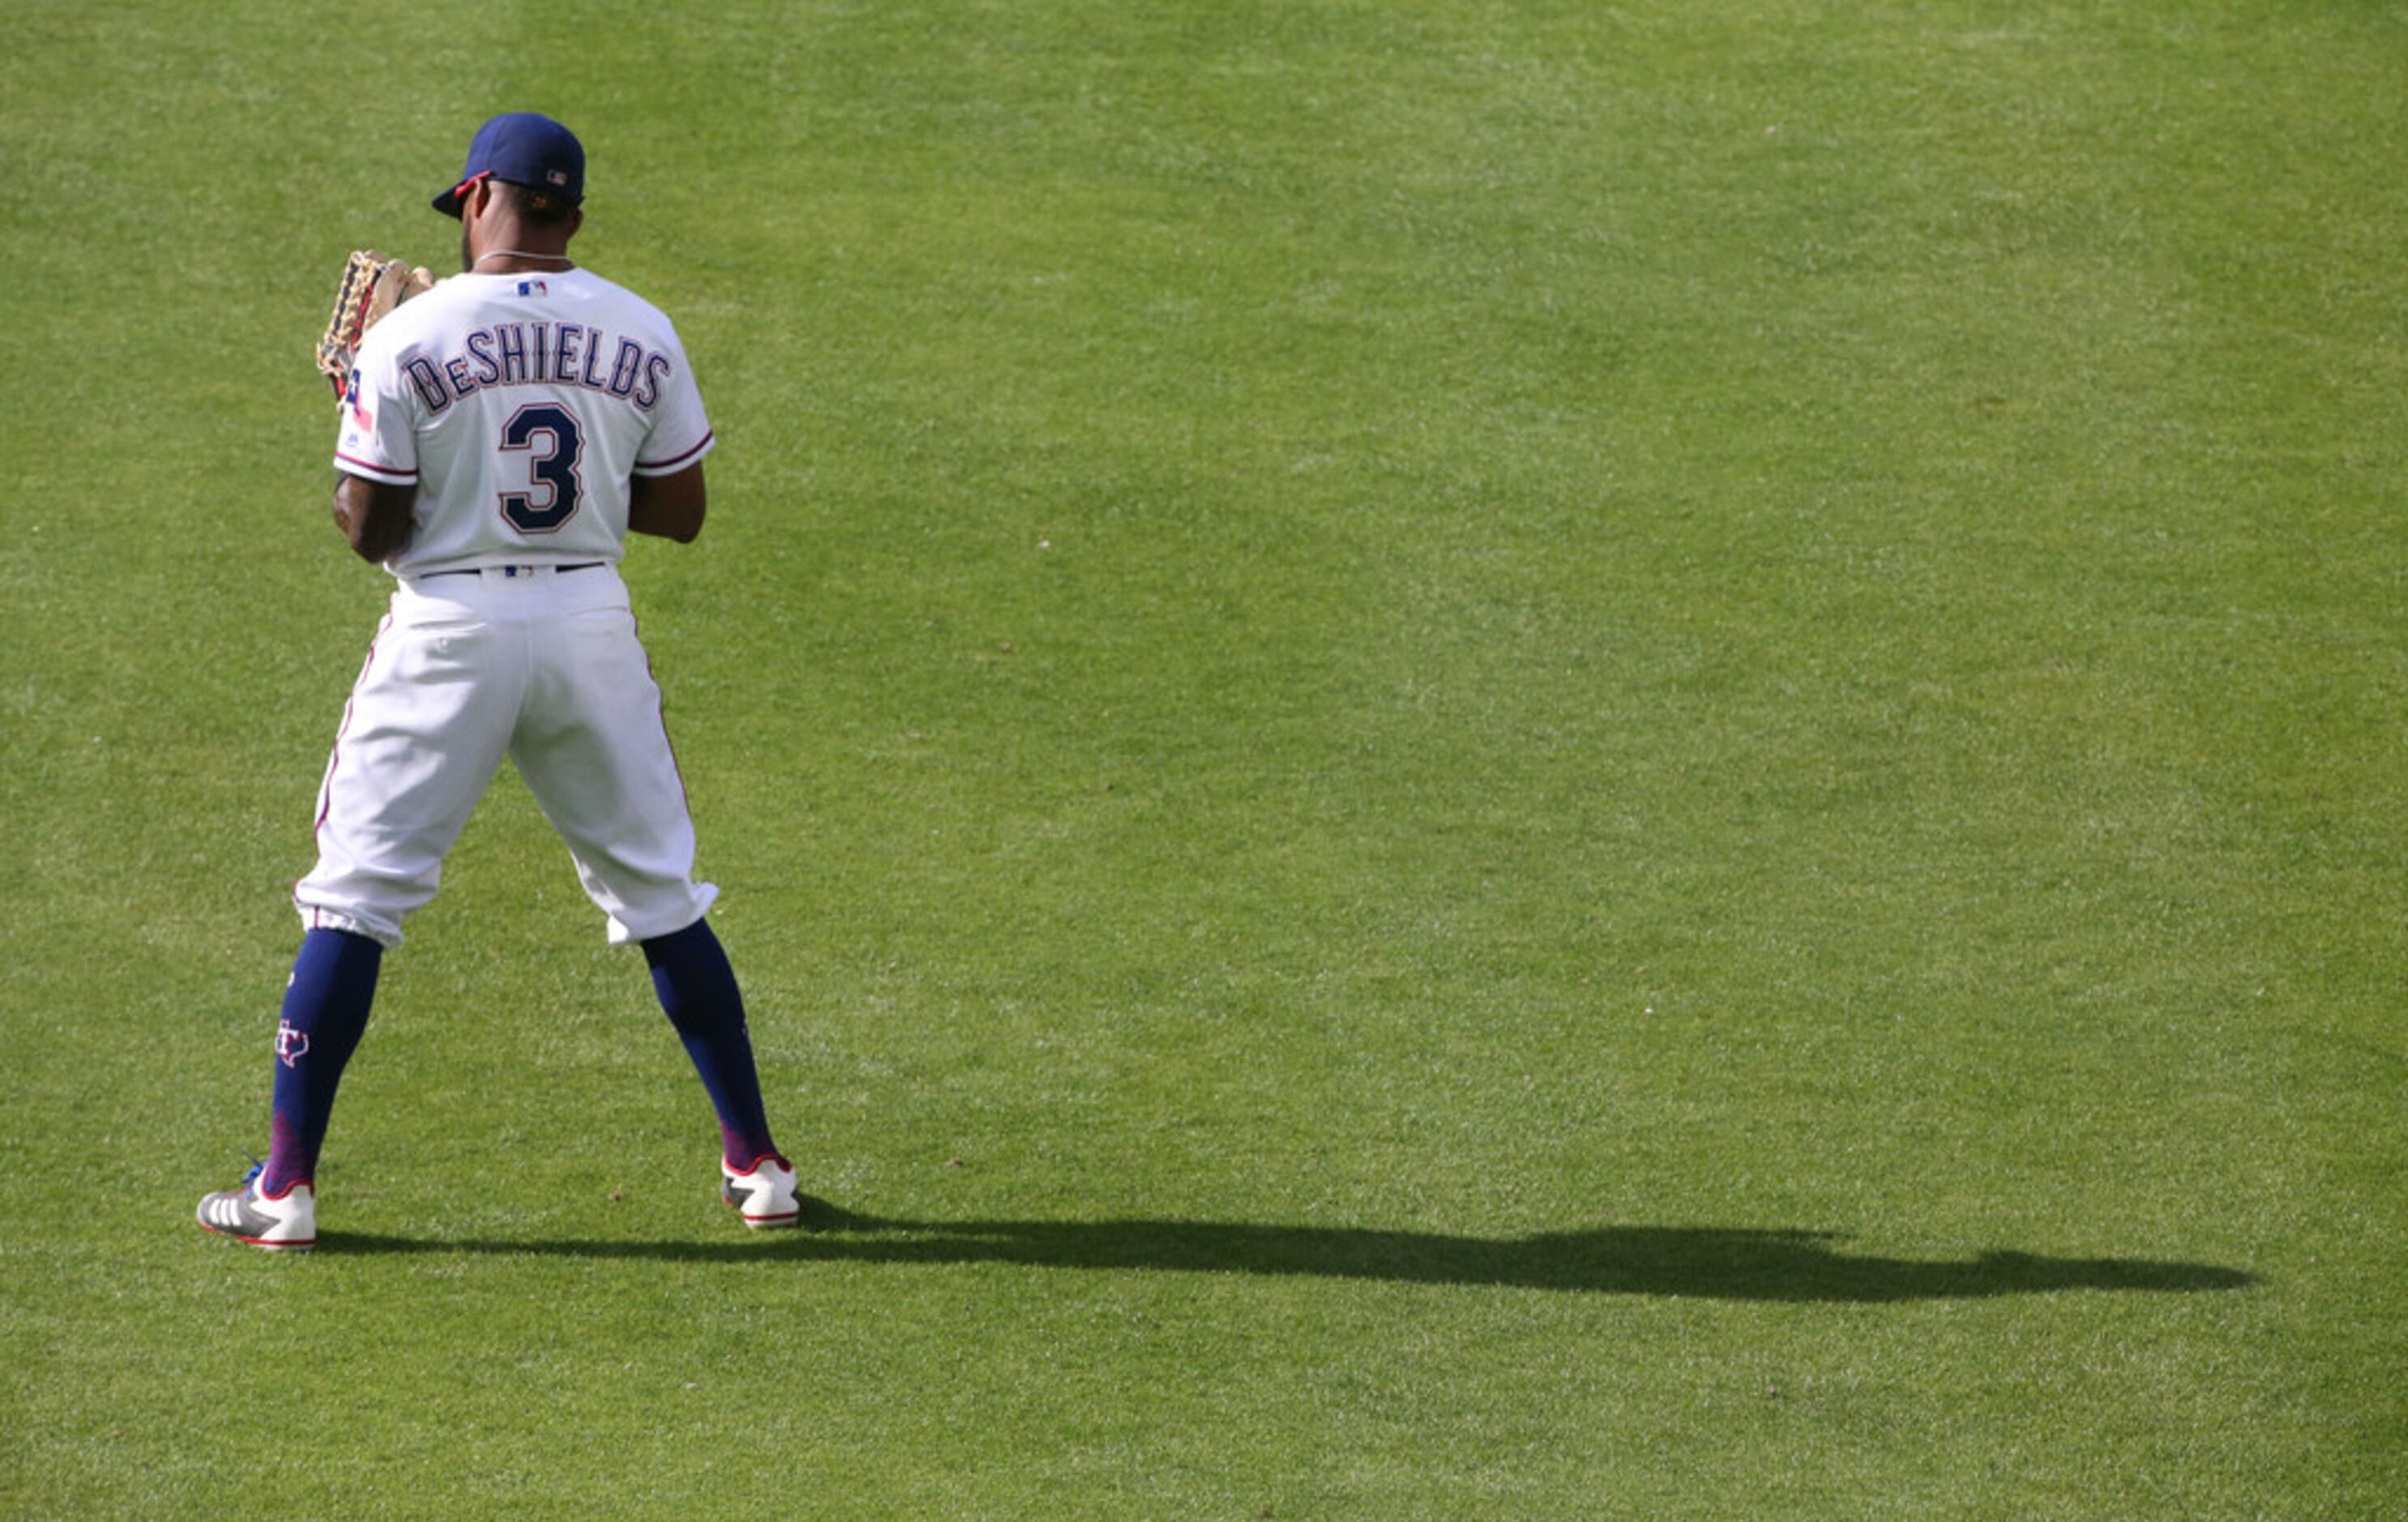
(525, 148)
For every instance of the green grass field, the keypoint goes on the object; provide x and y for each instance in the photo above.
(1471, 758)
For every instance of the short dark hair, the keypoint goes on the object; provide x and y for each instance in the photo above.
(536, 207)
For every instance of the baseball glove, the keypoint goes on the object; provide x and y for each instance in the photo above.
(373, 285)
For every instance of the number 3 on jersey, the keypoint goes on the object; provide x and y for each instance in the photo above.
(554, 446)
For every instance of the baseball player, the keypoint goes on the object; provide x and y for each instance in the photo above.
(500, 437)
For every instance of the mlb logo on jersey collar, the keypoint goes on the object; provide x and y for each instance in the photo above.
(534, 288)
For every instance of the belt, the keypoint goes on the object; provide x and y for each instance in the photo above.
(511, 570)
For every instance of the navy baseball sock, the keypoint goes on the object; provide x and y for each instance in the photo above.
(697, 990)
(325, 1009)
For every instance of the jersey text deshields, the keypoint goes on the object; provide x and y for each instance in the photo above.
(539, 353)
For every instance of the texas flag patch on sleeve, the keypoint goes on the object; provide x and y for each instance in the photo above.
(355, 406)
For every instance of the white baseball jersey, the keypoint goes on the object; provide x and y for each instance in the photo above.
(519, 406)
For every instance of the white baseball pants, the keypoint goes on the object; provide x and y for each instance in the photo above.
(538, 664)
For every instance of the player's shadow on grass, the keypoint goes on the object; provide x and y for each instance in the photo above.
(1704, 1262)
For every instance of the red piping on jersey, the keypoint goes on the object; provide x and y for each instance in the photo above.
(368, 465)
(658, 466)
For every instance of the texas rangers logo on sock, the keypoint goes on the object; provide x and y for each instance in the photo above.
(291, 1045)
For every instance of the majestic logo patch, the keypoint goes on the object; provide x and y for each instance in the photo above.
(291, 1045)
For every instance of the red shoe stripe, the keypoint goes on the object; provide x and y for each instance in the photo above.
(257, 1241)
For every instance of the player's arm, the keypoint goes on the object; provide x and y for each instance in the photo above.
(669, 505)
(374, 515)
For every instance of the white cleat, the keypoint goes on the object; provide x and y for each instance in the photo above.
(285, 1222)
(766, 1196)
